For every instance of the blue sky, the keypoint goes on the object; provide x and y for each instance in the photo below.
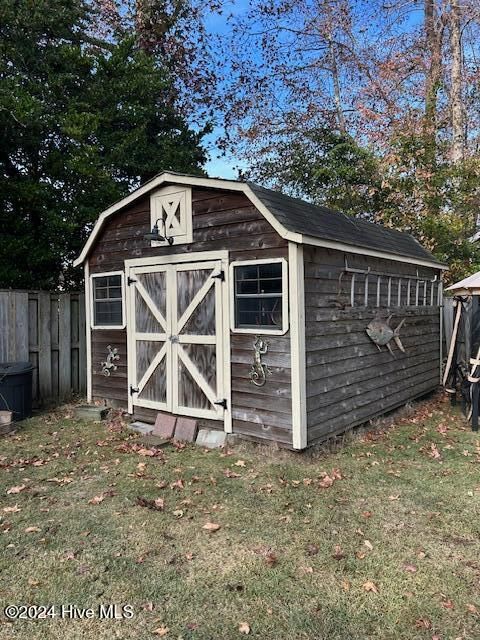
(217, 25)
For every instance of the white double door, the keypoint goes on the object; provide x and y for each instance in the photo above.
(175, 338)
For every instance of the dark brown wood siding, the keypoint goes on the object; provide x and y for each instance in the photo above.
(222, 220)
(349, 381)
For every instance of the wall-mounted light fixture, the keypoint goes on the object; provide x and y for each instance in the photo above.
(155, 235)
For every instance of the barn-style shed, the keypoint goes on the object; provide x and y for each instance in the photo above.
(249, 310)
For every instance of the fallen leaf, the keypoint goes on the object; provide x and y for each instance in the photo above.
(368, 544)
(345, 585)
(211, 527)
(244, 628)
(156, 505)
(148, 606)
(326, 482)
(312, 549)
(14, 509)
(338, 554)
(394, 497)
(448, 604)
(33, 583)
(32, 530)
(178, 513)
(370, 586)
(423, 623)
(97, 499)
(17, 489)
(367, 514)
(271, 559)
(472, 608)
(161, 631)
(434, 452)
(228, 473)
(306, 569)
(410, 568)
(178, 484)
(240, 463)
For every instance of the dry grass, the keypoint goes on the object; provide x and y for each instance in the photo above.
(291, 558)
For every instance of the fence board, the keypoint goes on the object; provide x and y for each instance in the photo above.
(44, 345)
(64, 346)
(48, 330)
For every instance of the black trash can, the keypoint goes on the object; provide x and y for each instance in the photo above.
(16, 389)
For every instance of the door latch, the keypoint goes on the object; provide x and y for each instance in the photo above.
(222, 403)
(133, 390)
(130, 280)
(220, 276)
(173, 339)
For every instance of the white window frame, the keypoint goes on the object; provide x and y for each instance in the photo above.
(112, 327)
(260, 330)
(186, 226)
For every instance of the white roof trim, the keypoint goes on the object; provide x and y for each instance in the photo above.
(350, 248)
(468, 286)
(232, 185)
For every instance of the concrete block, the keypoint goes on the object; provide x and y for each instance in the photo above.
(164, 425)
(211, 439)
(91, 412)
(186, 430)
(141, 427)
(154, 441)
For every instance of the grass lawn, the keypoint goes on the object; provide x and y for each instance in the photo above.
(378, 539)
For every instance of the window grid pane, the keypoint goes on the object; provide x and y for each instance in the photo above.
(107, 301)
(258, 296)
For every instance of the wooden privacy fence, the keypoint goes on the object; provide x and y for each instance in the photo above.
(48, 330)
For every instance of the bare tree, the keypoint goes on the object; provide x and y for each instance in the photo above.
(456, 90)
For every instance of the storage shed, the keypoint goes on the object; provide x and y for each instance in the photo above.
(248, 310)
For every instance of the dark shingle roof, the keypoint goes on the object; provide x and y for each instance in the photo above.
(320, 222)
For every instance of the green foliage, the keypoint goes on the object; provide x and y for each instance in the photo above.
(329, 169)
(80, 125)
(437, 205)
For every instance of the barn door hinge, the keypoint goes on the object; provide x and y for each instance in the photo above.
(220, 276)
(130, 280)
(222, 403)
(133, 390)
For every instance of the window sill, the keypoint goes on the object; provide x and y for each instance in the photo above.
(108, 327)
(261, 331)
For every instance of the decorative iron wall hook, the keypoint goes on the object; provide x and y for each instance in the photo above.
(109, 365)
(259, 370)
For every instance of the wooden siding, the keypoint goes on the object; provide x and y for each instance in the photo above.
(221, 220)
(348, 380)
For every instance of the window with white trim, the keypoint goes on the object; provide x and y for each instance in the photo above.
(260, 296)
(108, 300)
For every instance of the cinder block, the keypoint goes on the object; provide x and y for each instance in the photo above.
(141, 427)
(211, 439)
(154, 441)
(186, 429)
(164, 425)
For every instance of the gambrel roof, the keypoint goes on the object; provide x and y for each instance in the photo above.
(295, 220)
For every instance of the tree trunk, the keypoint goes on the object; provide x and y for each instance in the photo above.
(337, 94)
(456, 104)
(433, 34)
